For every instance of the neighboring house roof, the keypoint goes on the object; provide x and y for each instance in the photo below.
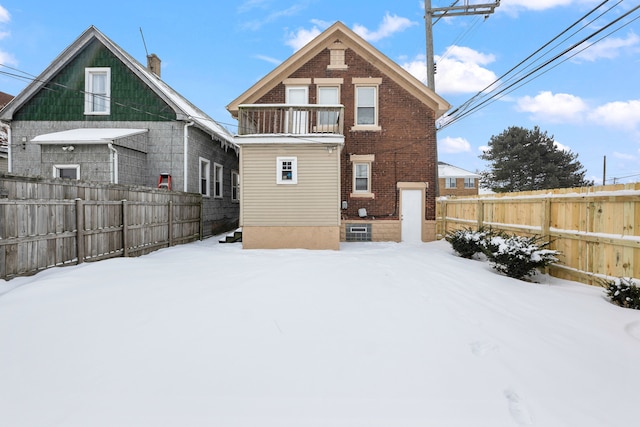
(445, 170)
(351, 40)
(86, 136)
(4, 99)
(183, 109)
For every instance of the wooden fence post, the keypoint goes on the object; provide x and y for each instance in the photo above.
(170, 221)
(80, 230)
(480, 213)
(201, 220)
(125, 228)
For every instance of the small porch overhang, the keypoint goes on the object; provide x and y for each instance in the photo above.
(86, 136)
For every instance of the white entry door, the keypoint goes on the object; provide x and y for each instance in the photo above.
(297, 121)
(411, 215)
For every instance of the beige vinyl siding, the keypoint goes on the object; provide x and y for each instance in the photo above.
(313, 201)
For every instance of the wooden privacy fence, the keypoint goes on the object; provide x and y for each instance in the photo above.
(596, 229)
(48, 223)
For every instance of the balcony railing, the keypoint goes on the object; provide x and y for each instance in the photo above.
(257, 119)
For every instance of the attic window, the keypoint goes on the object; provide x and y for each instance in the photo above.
(336, 57)
(97, 91)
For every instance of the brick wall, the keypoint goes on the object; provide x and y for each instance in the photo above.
(404, 148)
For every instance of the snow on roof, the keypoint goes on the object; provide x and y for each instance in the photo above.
(446, 170)
(190, 110)
(86, 136)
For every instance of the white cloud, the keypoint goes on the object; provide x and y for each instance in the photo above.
(256, 24)
(268, 59)
(608, 48)
(390, 24)
(7, 59)
(301, 37)
(461, 71)
(483, 148)
(623, 156)
(618, 114)
(515, 5)
(4, 15)
(560, 107)
(453, 145)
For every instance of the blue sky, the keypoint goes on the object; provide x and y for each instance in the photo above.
(213, 51)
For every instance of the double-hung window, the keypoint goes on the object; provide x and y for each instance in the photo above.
(449, 183)
(362, 175)
(235, 186)
(366, 101)
(205, 166)
(469, 183)
(217, 180)
(97, 91)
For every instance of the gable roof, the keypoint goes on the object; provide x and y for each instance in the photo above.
(351, 40)
(184, 110)
(445, 170)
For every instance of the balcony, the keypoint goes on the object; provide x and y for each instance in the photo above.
(289, 119)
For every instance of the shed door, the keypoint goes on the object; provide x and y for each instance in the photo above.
(411, 215)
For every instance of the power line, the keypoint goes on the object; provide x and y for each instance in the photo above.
(492, 93)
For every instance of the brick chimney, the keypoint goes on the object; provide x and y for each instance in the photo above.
(153, 64)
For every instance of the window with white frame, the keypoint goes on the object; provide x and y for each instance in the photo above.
(97, 91)
(449, 183)
(217, 180)
(469, 183)
(366, 103)
(66, 171)
(287, 170)
(205, 169)
(361, 175)
(235, 186)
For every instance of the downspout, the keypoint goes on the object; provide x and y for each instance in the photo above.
(114, 163)
(9, 151)
(186, 151)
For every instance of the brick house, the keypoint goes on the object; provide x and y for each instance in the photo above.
(455, 181)
(338, 143)
(97, 114)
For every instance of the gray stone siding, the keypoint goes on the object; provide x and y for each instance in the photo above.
(141, 160)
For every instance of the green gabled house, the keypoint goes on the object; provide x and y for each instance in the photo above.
(97, 114)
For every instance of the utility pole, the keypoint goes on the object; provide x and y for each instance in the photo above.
(438, 12)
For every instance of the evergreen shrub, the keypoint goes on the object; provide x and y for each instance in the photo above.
(517, 256)
(624, 292)
(467, 242)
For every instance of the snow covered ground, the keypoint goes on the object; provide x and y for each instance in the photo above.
(376, 334)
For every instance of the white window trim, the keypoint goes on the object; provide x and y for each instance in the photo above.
(357, 159)
(470, 183)
(375, 83)
(218, 175)
(88, 91)
(294, 170)
(235, 185)
(56, 168)
(448, 181)
(207, 163)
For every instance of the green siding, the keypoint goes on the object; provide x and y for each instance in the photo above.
(63, 97)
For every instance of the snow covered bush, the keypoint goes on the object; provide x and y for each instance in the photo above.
(624, 292)
(467, 242)
(517, 256)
